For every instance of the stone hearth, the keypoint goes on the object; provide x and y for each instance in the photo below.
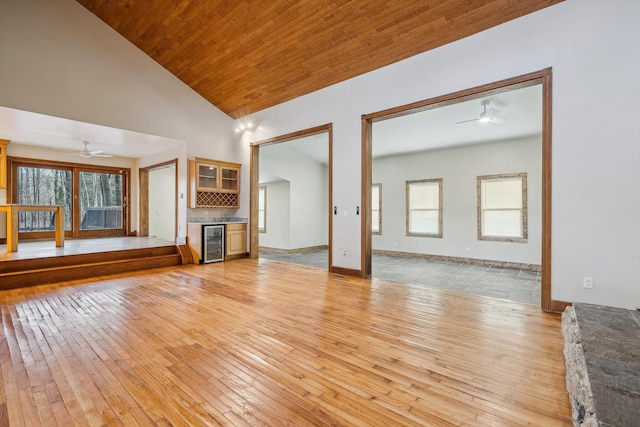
(602, 353)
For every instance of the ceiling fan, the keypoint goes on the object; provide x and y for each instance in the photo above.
(487, 115)
(86, 154)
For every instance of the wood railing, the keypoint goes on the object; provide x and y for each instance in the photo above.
(12, 222)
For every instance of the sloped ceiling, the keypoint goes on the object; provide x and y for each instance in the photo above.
(247, 55)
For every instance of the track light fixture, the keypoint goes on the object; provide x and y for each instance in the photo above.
(245, 125)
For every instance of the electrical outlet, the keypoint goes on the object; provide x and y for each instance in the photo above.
(587, 282)
(466, 249)
(345, 253)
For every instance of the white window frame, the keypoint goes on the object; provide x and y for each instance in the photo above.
(377, 228)
(523, 209)
(409, 184)
(262, 192)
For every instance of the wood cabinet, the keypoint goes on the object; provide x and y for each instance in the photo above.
(3, 163)
(236, 241)
(235, 245)
(194, 241)
(213, 184)
(206, 176)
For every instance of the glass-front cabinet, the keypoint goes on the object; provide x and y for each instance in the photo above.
(207, 179)
(229, 179)
(213, 183)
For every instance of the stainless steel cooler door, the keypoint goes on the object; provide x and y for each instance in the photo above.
(213, 243)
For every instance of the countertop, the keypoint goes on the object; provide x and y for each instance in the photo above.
(217, 220)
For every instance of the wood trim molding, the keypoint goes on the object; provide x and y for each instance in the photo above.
(407, 225)
(518, 82)
(346, 271)
(547, 164)
(143, 199)
(294, 251)
(13, 163)
(365, 198)
(143, 196)
(329, 127)
(524, 222)
(295, 135)
(543, 77)
(475, 261)
(254, 187)
(559, 306)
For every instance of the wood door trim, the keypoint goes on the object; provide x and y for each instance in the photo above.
(254, 185)
(13, 163)
(254, 188)
(144, 213)
(295, 135)
(543, 77)
(143, 202)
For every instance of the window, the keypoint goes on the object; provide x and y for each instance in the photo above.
(262, 209)
(502, 207)
(43, 186)
(94, 198)
(101, 201)
(424, 208)
(376, 208)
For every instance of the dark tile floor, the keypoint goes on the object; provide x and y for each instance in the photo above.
(506, 283)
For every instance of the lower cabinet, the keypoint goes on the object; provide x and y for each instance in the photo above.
(236, 241)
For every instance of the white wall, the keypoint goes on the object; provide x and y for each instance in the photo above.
(162, 206)
(278, 216)
(595, 54)
(459, 168)
(308, 185)
(57, 58)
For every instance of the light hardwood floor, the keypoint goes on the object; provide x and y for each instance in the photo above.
(259, 342)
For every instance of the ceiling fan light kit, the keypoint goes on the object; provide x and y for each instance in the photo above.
(487, 115)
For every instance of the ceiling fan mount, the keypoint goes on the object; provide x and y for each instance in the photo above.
(86, 154)
(487, 115)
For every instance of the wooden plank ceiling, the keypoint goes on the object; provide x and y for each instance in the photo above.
(247, 55)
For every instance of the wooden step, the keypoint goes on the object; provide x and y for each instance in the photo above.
(87, 258)
(38, 271)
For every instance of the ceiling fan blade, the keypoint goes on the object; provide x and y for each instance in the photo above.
(89, 154)
(467, 121)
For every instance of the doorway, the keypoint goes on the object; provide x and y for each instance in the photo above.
(291, 195)
(157, 211)
(429, 217)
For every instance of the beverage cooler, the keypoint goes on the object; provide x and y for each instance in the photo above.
(212, 243)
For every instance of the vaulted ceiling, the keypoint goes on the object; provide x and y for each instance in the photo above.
(247, 55)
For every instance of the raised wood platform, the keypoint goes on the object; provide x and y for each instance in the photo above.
(37, 262)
